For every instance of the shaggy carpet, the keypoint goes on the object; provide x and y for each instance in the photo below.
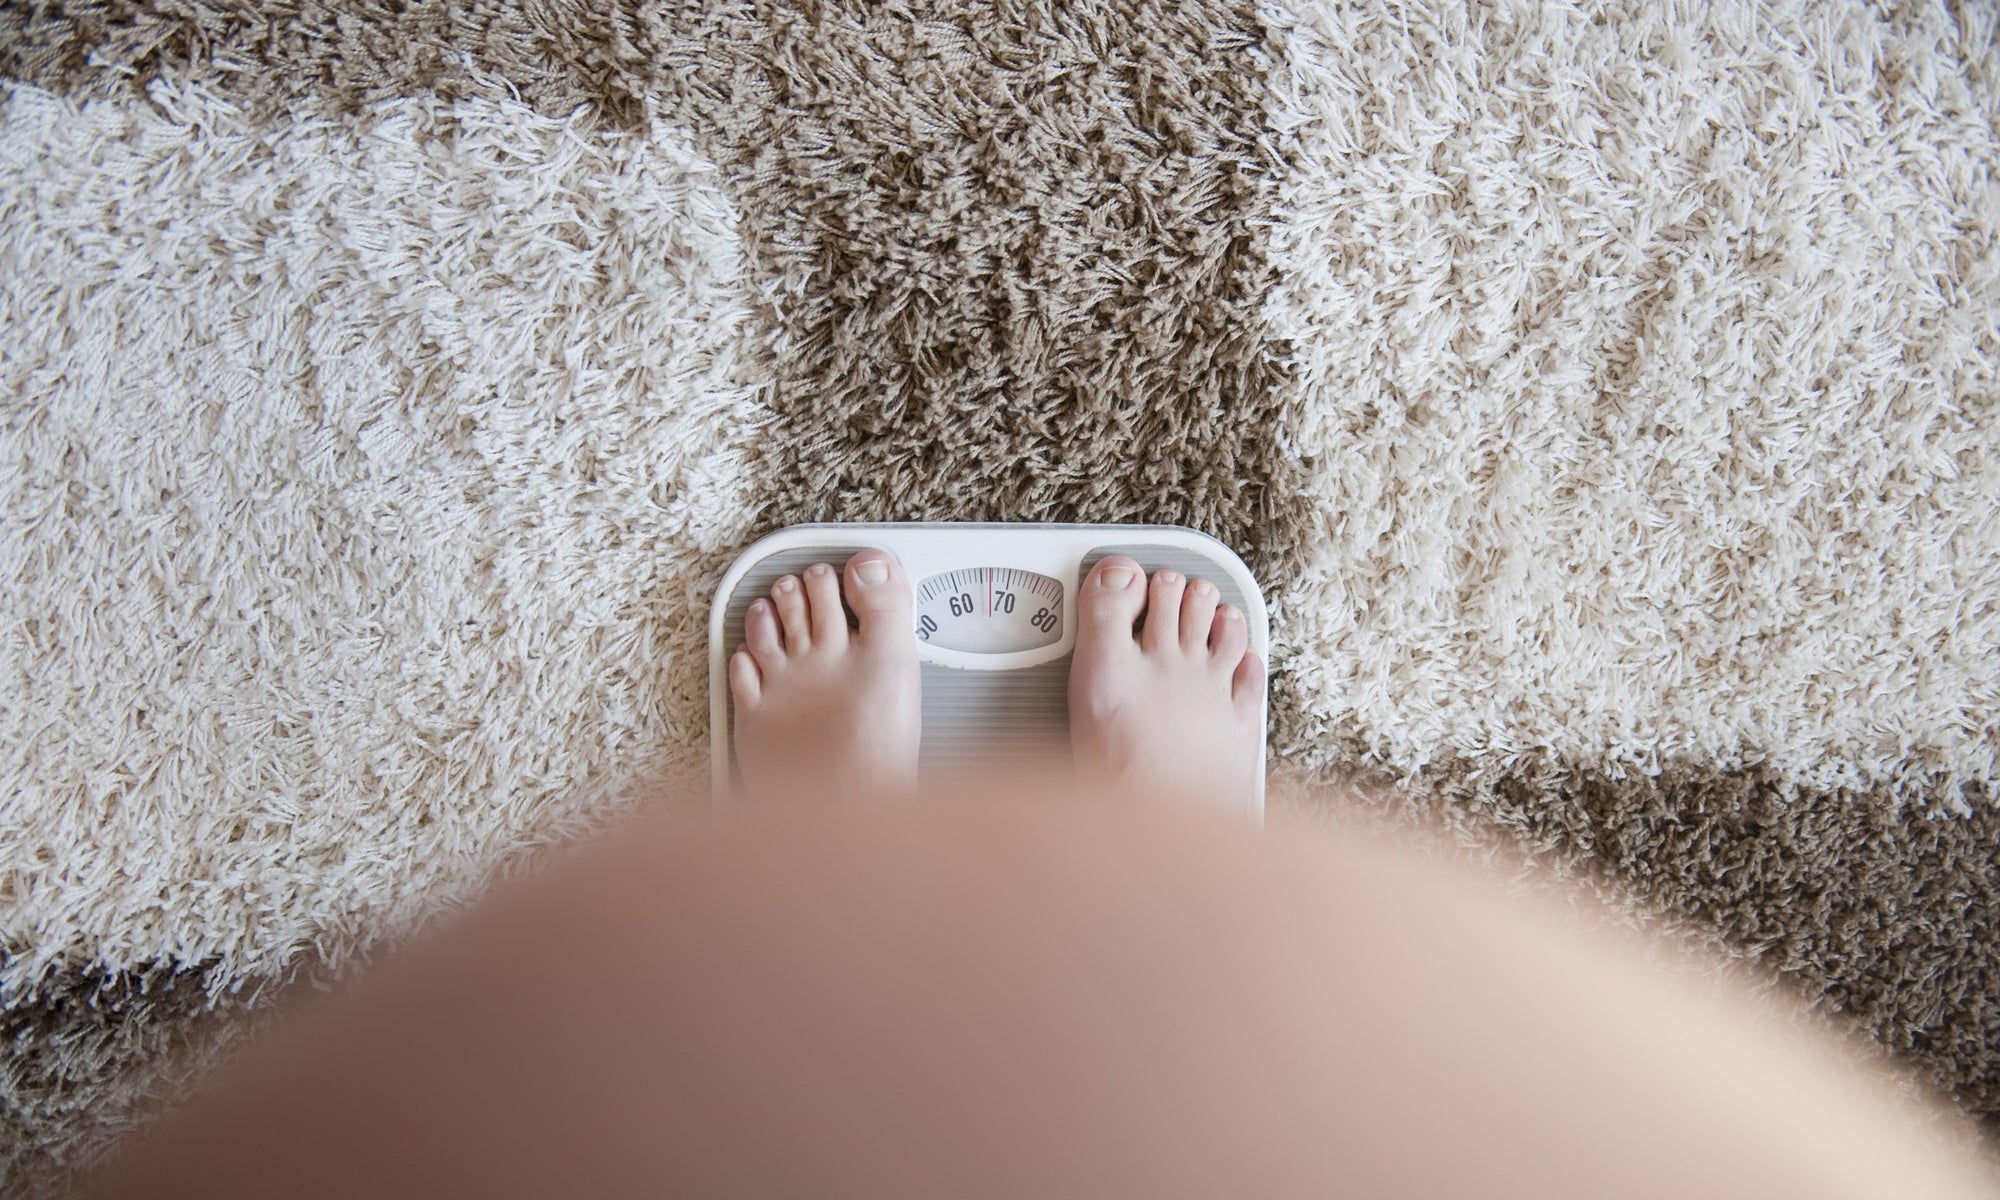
(1608, 399)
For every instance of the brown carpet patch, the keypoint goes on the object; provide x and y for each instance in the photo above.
(339, 56)
(1883, 915)
(89, 1057)
(1025, 258)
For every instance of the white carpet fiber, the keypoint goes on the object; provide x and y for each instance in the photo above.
(1648, 383)
(370, 481)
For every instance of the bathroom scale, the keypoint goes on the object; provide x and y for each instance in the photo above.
(994, 624)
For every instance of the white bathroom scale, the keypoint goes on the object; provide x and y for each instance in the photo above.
(994, 624)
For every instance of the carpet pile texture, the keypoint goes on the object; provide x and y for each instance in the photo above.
(1608, 400)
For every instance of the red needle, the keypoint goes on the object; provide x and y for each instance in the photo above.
(989, 591)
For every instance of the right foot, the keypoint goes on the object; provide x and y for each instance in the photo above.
(1174, 710)
(820, 708)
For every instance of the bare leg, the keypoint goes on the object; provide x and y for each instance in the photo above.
(1029, 998)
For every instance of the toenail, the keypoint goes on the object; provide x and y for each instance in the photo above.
(1114, 577)
(819, 568)
(760, 605)
(873, 570)
(1169, 577)
(1203, 587)
(1230, 614)
(787, 584)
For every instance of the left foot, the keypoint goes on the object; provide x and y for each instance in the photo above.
(821, 708)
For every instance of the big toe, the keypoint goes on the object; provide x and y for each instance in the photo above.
(1112, 597)
(879, 593)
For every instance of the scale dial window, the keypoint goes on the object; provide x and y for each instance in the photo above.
(989, 610)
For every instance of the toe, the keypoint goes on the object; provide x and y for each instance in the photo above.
(829, 620)
(1228, 637)
(790, 598)
(1163, 612)
(760, 632)
(1111, 599)
(1197, 614)
(1246, 686)
(744, 682)
(880, 595)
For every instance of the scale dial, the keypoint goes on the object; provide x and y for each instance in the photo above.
(990, 610)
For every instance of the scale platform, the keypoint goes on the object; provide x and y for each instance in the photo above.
(993, 622)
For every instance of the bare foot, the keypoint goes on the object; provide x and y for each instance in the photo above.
(1174, 710)
(821, 708)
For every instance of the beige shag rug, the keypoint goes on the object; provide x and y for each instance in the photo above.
(1608, 399)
